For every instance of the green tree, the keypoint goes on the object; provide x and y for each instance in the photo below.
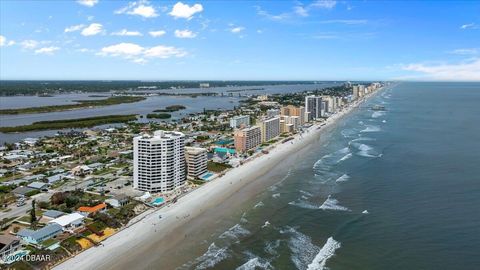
(33, 216)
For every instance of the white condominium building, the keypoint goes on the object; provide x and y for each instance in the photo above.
(273, 112)
(196, 159)
(313, 105)
(240, 121)
(159, 161)
(270, 128)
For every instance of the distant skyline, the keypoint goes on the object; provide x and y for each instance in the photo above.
(248, 40)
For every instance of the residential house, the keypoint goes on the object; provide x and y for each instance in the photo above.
(118, 201)
(40, 235)
(8, 245)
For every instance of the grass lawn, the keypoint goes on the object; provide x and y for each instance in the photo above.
(217, 167)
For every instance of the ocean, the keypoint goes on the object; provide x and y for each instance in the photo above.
(393, 189)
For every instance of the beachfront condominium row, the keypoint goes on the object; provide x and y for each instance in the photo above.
(159, 161)
(276, 121)
(359, 90)
(240, 121)
(317, 107)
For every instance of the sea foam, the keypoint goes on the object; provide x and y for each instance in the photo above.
(325, 253)
(332, 204)
(343, 178)
(210, 258)
(235, 232)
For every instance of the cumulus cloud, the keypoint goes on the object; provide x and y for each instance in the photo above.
(74, 28)
(92, 30)
(185, 34)
(29, 44)
(237, 29)
(158, 33)
(181, 10)
(141, 8)
(468, 70)
(88, 3)
(3, 41)
(47, 50)
(139, 54)
(125, 32)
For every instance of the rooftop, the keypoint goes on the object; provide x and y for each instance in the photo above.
(92, 209)
(67, 219)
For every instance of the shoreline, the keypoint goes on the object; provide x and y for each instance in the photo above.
(141, 233)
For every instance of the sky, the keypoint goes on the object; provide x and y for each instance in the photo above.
(240, 40)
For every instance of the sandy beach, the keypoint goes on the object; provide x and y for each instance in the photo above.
(127, 249)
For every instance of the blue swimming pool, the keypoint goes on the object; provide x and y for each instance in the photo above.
(158, 201)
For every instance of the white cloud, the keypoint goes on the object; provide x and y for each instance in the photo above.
(164, 52)
(278, 17)
(141, 8)
(88, 3)
(74, 28)
(300, 11)
(29, 44)
(185, 34)
(466, 51)
(468, 70)
(139, 54)
(3, 41)
(11, 42)
(237, 29)
(469, 26)
(181, 10)
(125, 32)
(122, 49)
(326, 4)
(92, 30)
(158, 33)
(47, 50)
(84, 50)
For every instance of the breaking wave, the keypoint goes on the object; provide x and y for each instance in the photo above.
(332, 204)
(347, 156)
(365, 150)
(377, 114)
(235, 232)
(255, 263)
(210, 258)
(259, 204)
(371, 128)
(325, 253)
(303, 250)
(303, 204)
(343, 178)
(276, 195)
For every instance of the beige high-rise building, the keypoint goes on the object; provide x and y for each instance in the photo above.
(291, 110)
(196, 159)
(270, 128)
(247, 138)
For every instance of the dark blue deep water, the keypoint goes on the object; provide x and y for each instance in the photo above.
(398, 189)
